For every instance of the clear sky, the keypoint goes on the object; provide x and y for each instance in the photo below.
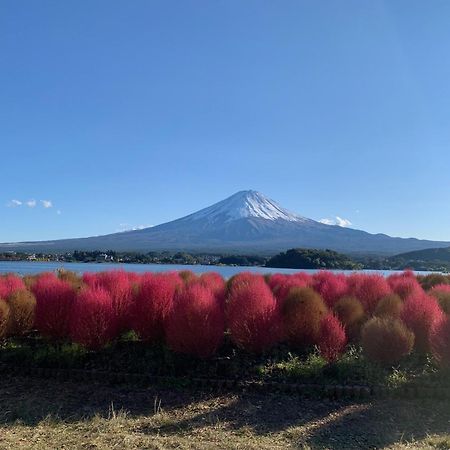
(130, 113)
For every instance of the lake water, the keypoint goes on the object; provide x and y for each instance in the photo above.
(32, 267)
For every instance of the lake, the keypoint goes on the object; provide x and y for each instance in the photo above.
(32, 267)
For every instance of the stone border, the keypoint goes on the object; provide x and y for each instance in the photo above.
(321, 391)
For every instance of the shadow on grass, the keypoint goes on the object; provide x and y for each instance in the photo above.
(318, 424)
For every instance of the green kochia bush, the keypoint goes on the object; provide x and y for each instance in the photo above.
(4, 318)
(440, 341)
(386, 340)
(351, 314)
(442, 293)
(389, 306)
(302, 311)
(22, 304)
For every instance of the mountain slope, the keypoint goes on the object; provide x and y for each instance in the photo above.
(246, 222)
(430, 255)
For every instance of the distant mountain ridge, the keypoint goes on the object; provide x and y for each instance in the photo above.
(248, 222)
(428, 255)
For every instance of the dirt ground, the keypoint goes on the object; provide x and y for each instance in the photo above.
(43, 414)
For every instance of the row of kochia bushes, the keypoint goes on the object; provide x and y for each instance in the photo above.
(389, 317)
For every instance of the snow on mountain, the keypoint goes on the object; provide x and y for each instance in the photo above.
(243, 205)
(246, 223)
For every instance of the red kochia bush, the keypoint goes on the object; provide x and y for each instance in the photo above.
(440, 341)
(195, 325)
(153, 303)
(253, 315)
(302, 311)
(369, 289)
(331, 287)
(9, 284)
(332, 338)
(54, 302)
(93, 319)
(119, 286)
(215, 282)
(420, 313)
(242, 278)
(91, 279)
(282, 284)
(404, 284)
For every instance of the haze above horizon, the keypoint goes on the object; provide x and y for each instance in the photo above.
(118, 115)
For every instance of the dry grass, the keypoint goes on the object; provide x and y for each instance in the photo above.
(68, 415)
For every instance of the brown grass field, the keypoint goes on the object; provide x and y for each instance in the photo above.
(50, 414)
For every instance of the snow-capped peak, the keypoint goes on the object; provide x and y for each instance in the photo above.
(246, 204)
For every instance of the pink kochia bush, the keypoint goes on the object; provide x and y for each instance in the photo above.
(332, 338)
(119, 286)
(282, 284)
(195, 325)
(404, 284)
(420, 313)
(368, 289)
(10, 284)
(152, 304)
(191, 313)
(331, 287)
(54, 303)
(253, 315)
(93, 319)
(216, 283)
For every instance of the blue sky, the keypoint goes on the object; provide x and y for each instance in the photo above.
(124, 114)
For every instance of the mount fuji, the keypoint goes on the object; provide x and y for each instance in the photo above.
(246, 222)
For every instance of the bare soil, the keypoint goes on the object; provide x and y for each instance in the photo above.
(40, 414)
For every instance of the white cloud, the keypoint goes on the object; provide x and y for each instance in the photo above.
(339, 221)
(13, 203)
(32, 203)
